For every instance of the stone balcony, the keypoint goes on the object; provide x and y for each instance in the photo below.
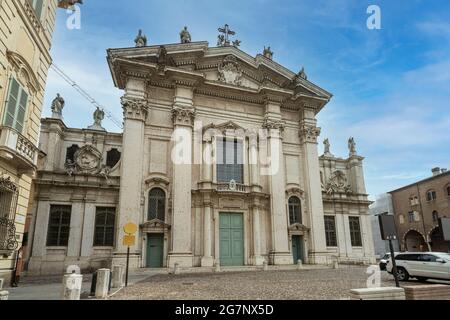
(18, 150)
(229, 188)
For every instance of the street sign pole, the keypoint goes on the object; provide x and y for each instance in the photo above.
(394, 264)
(128, 264)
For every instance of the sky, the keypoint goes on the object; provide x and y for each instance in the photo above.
(391, 87)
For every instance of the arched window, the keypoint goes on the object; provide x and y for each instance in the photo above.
(431, 195)
(157, 204)
(70, 154)
(295, 210)
(112, 158)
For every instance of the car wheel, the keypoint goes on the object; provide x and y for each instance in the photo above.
(402, 274)
(421, 279)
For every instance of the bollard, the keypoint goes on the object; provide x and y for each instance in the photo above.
(265, 266)
(335, 264)
(299, 264)
(176, 268)
(1, 283)
(118, 276)
(72, 286)
(103, 281)
(217, 266)
(4, 295)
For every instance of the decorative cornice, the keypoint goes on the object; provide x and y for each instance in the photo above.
(134, 109)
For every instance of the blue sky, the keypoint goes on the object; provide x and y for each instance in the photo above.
(391, 86)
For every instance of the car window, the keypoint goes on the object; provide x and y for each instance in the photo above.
(407, 257)
(428, 258)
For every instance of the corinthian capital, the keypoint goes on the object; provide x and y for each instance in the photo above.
(135, 109)
(273, 124)
(183, 116)
(309, 133)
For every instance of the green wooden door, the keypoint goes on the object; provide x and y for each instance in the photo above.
(297, 248)
(155, 250)
(231, 239)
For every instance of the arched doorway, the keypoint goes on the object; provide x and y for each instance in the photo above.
(437, 241)
(414, 242)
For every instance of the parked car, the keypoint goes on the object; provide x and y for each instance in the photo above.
(421, 265)
(384, 261)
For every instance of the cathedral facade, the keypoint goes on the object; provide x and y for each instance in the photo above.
(217, 164)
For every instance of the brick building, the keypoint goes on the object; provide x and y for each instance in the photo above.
(418, 208)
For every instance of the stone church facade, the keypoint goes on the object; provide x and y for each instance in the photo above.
(240, 114)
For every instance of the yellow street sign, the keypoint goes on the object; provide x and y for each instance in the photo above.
(129, 241)
(130, 228)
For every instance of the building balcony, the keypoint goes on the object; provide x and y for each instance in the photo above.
(18, 150)
(229, 188)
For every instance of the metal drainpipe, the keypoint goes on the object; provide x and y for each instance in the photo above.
(423, 218)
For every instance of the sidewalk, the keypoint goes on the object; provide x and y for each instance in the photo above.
(50, 288)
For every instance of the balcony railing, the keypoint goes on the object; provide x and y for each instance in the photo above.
(8, 241)
(15, 147)
(231, 187)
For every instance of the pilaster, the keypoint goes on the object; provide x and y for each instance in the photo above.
(309, 133)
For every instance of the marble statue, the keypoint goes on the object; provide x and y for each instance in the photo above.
(141, 40)
(99, 115)
(57, 106)
(352, 146)
(185, 36)
(327, 147)
(268, 53)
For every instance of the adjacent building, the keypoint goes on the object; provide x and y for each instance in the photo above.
(418, 208)
(26, 28)
(217, 164)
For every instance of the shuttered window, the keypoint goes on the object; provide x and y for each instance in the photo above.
(230, 160)
(16, 106)
(38, 6)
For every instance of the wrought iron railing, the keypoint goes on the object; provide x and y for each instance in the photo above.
(8, 241)
(9, 193)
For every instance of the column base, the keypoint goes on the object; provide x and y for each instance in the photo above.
(281, 258)
(121, 259)
(207, 262)
(258, 260)
(319, 258)
(184, 260)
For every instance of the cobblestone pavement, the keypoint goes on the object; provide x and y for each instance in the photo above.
(326, 284)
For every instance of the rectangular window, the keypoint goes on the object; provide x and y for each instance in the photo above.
(8, 206)
(230, 160)
(104, 227)
(355, 231)
(330, 231)
(59, 226)
(38, 6)
(16, 106)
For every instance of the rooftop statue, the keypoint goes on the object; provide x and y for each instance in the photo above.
(99, 115)
(57, 106)
(141, 40)
(268, 53)
(185, 36)
(352, 146)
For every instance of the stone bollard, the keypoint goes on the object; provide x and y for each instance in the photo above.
(265, 266)
(4, 295)
(1, 283)
(299, 264)
(217, 267)
(118, 276)
(102, 286)
(335, 264)
(72, 286)
(176, 268)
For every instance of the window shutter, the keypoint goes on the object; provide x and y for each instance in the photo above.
(21, 110)
(38, 6)
(13, 96)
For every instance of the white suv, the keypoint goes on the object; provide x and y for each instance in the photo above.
(421, 265)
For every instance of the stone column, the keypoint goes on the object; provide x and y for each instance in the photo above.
(54, 151)
(207, 260)
(76, 224)
(280, 253)
(102, 286)
(88, 230)
(183, 112)
(258, 260)
(309, 132)
(135, 114)
(254, 163)
(207, 161)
